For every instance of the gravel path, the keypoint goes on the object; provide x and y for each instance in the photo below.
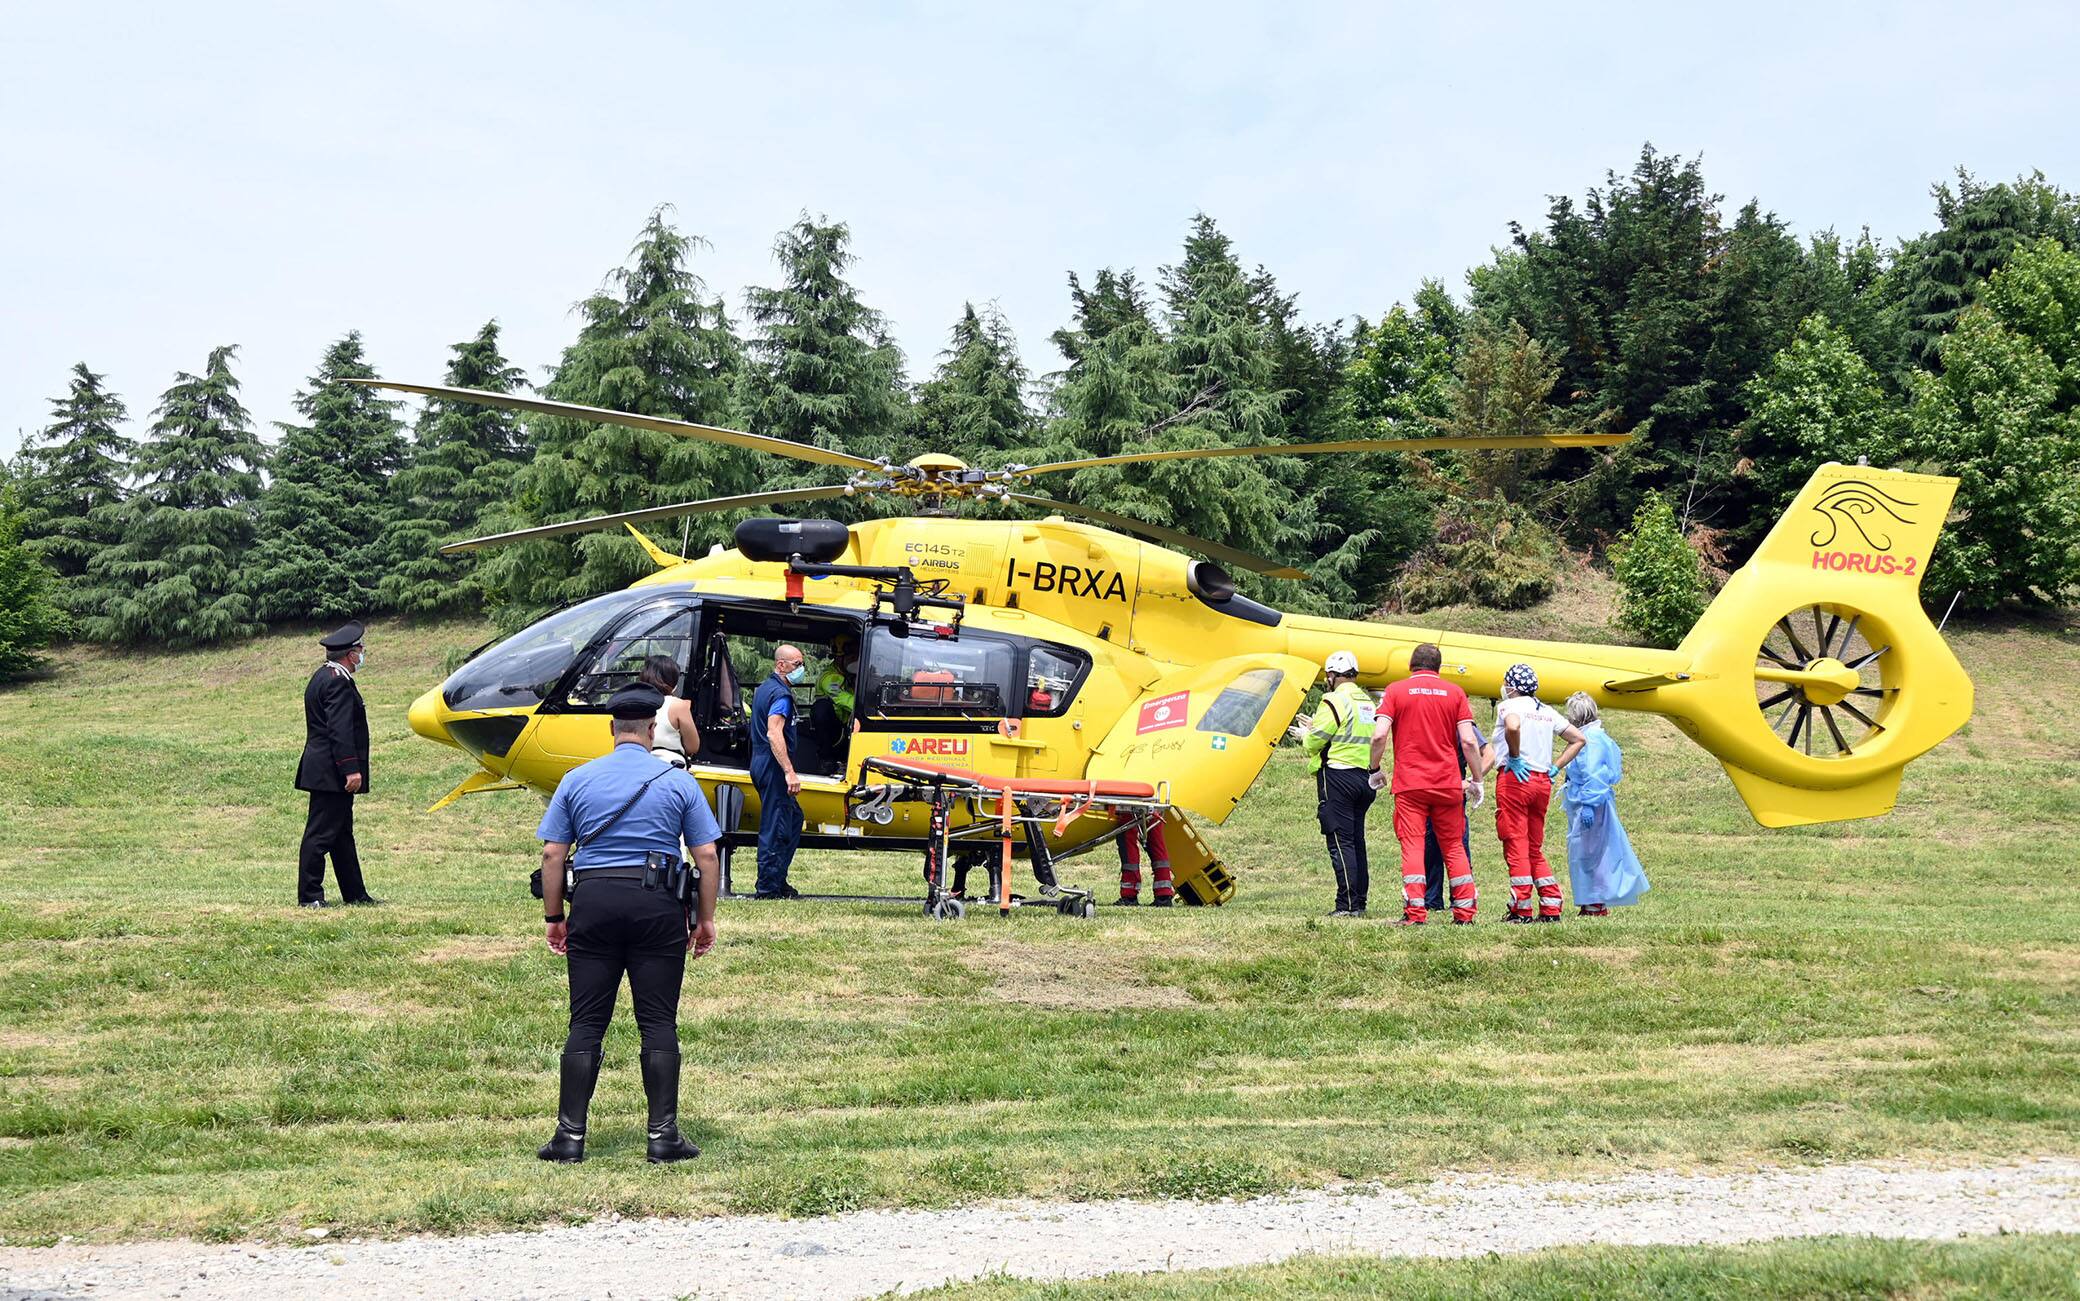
(871, 1252)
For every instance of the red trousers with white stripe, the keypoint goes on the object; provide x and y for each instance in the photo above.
(1520, 821)
(1445, 812)
(1130, 862)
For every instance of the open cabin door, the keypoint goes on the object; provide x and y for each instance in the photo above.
(1206, 732)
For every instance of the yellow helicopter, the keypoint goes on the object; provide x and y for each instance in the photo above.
(1062, 680)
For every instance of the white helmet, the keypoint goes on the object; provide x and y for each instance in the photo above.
(1341, 662)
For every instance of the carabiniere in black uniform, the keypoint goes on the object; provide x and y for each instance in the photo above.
(334, 769)
(636, 909)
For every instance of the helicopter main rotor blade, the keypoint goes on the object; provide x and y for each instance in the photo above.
(1497, 443)
(602, 416)
(1183, 541)
(746, 501)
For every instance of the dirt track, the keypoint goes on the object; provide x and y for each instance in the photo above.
(869, 1252)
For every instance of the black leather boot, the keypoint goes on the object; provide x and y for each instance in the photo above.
(661, 1087)
(577, 1075)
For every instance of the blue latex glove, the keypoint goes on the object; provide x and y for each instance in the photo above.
(1514, 765)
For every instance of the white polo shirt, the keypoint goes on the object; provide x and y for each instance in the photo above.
(1536, 722)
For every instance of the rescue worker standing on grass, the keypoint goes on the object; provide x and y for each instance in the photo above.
(1426, 718)
(1338, 741)
(633, 909)
(1523, 748)
(774, 746)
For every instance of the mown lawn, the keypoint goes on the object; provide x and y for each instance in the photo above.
(183, 1052)
(1832, 1268)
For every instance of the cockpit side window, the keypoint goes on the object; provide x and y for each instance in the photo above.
(521, 671)
(621, 660)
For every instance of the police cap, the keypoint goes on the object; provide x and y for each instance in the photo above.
(635, 702)
(341, 638)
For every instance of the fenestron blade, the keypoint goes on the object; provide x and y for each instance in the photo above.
(602, 416)
(749, 500)
(1183, 541)
(1499, 443)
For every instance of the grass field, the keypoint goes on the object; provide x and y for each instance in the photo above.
(183, 1052)
(1832, 1268)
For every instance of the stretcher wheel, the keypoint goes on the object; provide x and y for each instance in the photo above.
(949, 909)
(1088, 909)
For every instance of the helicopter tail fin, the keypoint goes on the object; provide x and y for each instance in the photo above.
(1816, 673)
(664, 558)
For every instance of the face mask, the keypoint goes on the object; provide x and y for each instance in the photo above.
(796, 673)
(360, 660)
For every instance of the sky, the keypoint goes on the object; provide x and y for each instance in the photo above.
(178, 176)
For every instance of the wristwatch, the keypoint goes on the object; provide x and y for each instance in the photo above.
(555, 921)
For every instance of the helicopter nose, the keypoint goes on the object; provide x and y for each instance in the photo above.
(428, 718)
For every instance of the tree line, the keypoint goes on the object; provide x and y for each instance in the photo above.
(1737, 354)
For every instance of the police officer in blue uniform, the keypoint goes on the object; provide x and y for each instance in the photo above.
(333, 769)
(634, 910)
(774, 748)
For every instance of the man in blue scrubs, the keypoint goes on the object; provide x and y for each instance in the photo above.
(773, 751)
(626, 813)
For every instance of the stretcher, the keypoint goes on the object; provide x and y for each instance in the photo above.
(1002, 811)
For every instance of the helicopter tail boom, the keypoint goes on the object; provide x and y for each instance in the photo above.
(1815, 676)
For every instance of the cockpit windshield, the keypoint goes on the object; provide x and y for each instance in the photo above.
(522, 670)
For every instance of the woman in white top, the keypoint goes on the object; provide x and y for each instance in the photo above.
(676, 739)
(1522, 747)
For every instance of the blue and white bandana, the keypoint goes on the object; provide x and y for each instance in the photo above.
(1521, 679)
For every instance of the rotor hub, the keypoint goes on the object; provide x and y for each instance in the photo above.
(1830, 682)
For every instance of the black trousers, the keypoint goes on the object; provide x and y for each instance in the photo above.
(617, 927)
(329, 829)
(1433, 865)
(1346, 797)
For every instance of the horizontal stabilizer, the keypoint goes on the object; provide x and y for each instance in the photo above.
(1652, 682)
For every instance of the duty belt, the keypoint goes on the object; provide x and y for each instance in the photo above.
(584, 874)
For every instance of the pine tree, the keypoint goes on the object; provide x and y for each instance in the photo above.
(322, 514)
(652, 343)
(173, 580)
(75, 470)
(29, 615)
(975, 406)
(827, 373)
(463, 462)
(1938, 275)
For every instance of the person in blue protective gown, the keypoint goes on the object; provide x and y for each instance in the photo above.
(1604, 870)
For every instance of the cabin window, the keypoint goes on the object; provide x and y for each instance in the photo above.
(1052, 675)
(1241, 704)
(972, 676)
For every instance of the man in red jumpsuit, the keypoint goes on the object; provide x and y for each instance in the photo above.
(1428, 718)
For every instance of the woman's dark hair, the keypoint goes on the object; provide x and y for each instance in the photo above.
(660, 671)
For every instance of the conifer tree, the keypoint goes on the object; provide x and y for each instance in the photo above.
(29, 615)
(173, 580)
(75, 469)
(1938, 275)
(652, 342)
(463, 461)
(322, 514)
(975, 406)
(826, 370)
